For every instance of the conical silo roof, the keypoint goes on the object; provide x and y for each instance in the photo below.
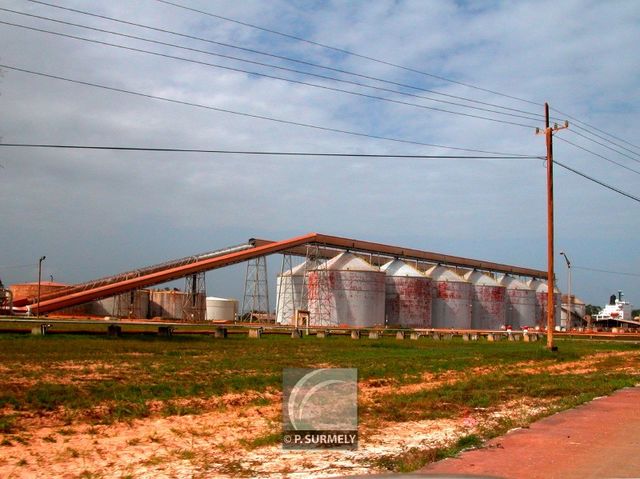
(348, 261)
(440, 273)
(510, 282)
(541, 286)
(400, 268)
(534, 284)
(480, 279)
(300, 269)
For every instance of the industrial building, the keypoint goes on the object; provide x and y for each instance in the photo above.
(338, 282)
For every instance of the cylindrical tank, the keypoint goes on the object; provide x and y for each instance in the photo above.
(221, 309)
(133, 304)
(6, 300)
(290, 291)
(30, 290)
(542, 298)
(488, 309)
(407, 296)
(451, 299)
(346, 290)
(166, 304)
(520, 303)
(578, 306)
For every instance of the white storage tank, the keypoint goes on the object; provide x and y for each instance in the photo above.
(451, 299)
(290, 291)
(221, 309)
(346, 291)
(407, 296)
(520, 303)
(542, 299)
(488, 309)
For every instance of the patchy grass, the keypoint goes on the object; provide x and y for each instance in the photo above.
(469, 441)
(489, 390)
(7, 423)
(80, 373)
(99, 380)
(269, 439)
(406, 461)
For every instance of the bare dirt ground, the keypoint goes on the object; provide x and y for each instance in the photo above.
(224, 441)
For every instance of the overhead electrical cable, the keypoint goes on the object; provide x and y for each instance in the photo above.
(597, 154)
(231, 57)
(352, 53)
(266, 75)
(346, 52)
(601, 183)
(281, 57)
(267, 153)
(586, 130)
(595, 128)
(244, 114)
(605, 146)
(326, 67)
(597, 270)
(19, 266)
(314, 154)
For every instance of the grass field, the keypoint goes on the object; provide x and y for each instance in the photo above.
(74, 383)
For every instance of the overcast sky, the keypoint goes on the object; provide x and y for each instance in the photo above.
(94, 213)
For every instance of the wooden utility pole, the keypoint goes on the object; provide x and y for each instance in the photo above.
(548, 132)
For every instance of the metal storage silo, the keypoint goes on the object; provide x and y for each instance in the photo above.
(166, 304)
(30, 290)
(407, 296)
(520, 303)
(221, 309)
(488, 308)
(290, 291)
(346, 290)
(133, 304)
(451, 299)
(542, 298)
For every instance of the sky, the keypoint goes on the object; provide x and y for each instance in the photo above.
(96, 213)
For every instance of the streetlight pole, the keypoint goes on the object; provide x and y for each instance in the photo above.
(569, 315)
(42, 258)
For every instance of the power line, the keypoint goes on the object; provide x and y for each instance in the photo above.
(598, 155)
(331, 68)
(244, 114)
(597, 129)
(19, 266)
(230, 57)
(347, 52)
(606, 271)
(272, 55)
(605, 185)
(265, 75)
(606, 139)
(267, 153)
(606, 146)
